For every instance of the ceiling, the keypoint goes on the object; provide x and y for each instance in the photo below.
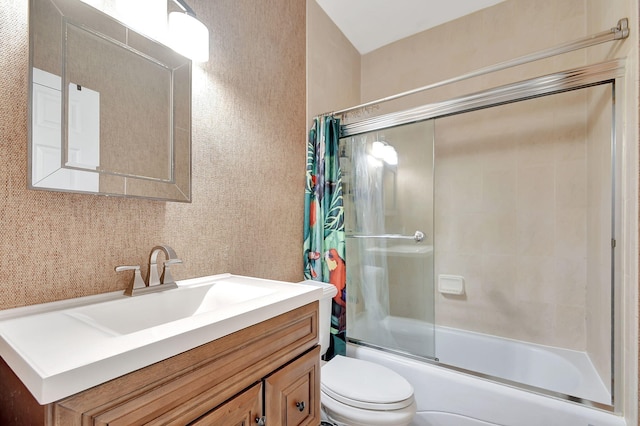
(370, 24)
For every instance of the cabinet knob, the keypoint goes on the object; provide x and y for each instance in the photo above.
(300, 406)
(261, 421)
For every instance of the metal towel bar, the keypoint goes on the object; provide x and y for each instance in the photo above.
(417, 237)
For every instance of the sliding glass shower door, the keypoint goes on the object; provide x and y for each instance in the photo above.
(388, 196)
(526, 227)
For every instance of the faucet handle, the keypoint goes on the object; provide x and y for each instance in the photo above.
(166, 277)
(136, 281)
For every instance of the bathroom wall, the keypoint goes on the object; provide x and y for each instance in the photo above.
(511, 218)
(626, 358)
(502, 32)
(249, 128)
(333, 65)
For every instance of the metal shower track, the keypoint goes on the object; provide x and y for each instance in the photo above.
(619, 32)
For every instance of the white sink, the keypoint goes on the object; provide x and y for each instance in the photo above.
(61, 348)
(137, 313)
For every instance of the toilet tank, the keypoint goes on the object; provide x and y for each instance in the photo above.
(324, 316)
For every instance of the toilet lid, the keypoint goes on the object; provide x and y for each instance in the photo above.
(364, 384)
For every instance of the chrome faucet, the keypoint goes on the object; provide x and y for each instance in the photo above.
(154, 282)
(152, 273)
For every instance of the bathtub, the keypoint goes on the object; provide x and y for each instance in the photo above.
(449, 398)
(446, 397)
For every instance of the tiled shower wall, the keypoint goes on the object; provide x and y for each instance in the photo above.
(511, 218)
(248, 169)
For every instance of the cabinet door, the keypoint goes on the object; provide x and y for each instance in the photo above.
(292, 394)
(242, 410)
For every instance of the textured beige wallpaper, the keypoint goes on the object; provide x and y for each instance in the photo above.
(331, 84)
(248, 169)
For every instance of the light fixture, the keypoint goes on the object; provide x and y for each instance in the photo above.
(187, 35)
(148, 17)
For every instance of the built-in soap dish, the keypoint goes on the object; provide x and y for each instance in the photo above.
(451, 284)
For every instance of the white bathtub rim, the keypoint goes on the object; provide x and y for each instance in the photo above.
(590, 386)
(401, 355)
(483, 400)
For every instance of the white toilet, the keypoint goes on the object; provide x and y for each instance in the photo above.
(354, 392)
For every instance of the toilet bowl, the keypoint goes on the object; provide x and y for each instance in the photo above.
(355, 392)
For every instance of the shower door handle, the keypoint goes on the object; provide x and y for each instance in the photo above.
(418, 237)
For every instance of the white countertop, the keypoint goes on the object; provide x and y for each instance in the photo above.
(57, 351)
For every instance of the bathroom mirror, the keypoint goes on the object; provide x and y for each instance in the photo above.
(110, 109)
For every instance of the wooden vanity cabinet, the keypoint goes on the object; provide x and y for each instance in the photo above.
(289, 398)
(270, 369)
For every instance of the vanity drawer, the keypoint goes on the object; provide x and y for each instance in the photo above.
(243, 410)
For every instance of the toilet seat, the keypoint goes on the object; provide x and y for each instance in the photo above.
(365, 385)
(398, 405)
(345, 415)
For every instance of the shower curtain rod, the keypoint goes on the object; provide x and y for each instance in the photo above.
(619, 32)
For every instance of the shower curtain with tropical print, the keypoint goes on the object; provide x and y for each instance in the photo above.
(324, 235)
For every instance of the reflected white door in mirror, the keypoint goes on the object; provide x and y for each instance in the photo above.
(84, 135)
